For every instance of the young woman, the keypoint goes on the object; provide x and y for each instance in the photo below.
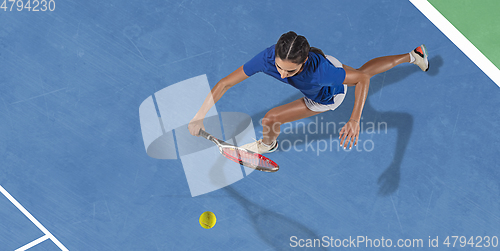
(322, 79)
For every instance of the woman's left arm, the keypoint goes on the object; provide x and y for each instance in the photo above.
(350, 132)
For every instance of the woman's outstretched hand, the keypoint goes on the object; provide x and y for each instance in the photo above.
(349, 134)
(195, 125)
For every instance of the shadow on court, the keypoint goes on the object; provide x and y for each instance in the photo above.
(275, 229)
(401, 121)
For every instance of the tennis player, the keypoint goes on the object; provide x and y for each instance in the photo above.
(322, 79)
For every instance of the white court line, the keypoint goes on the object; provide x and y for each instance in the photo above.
(33, 243)
(32, 219)
(458, 39)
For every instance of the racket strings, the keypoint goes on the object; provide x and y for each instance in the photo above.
(249, 158)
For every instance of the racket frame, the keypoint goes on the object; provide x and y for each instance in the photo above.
(221, 145)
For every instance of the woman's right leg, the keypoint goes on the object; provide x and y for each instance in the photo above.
(272, 121)
(280, 115)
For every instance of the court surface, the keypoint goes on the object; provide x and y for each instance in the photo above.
(73, 157)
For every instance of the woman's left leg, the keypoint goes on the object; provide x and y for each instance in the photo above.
(361, 79)
(381, 64)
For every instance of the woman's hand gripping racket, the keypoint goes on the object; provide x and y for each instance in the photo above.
(242, 156)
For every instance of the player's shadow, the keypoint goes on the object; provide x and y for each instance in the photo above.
(401, 121)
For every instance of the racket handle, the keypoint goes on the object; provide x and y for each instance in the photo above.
(204, 134)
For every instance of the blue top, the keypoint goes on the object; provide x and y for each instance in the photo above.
(319, 80)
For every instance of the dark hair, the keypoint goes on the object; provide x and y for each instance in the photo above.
(294, 48)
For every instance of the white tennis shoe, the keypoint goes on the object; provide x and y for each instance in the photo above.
(420, 55)
(261, 148)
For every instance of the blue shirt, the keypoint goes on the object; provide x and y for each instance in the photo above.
(319, 80)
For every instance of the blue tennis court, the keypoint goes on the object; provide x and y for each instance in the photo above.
(78, 83)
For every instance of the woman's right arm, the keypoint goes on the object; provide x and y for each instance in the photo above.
(219, 89)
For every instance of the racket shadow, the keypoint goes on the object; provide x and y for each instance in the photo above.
(273, 228)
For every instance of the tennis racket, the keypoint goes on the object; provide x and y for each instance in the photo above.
(242, 156)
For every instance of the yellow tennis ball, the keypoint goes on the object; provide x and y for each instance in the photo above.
(207, 219)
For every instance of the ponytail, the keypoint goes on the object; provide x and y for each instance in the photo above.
(294, 48)
(318, 51)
